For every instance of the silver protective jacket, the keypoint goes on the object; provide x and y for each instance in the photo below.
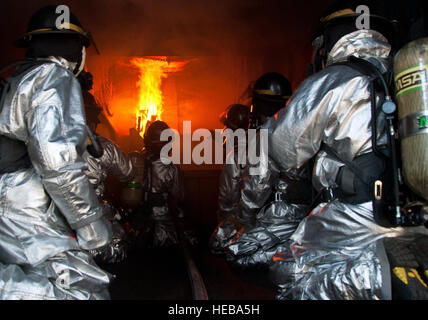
(338, 248)
(40, 255)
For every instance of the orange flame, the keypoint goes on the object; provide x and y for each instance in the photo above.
(150, 104)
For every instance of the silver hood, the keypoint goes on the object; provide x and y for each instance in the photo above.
(360, 44)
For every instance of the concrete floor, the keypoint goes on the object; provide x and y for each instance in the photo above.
(162, 275)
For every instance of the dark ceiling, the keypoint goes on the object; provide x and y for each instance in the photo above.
(189, 27)
(179, 27)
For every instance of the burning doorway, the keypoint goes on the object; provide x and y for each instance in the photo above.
(133, 92)
(196, 89)
(150, 99)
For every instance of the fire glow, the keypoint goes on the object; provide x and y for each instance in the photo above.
(151, 72)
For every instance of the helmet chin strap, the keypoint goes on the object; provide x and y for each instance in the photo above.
(81, 63)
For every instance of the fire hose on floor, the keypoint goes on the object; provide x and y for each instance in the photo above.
(197, 284)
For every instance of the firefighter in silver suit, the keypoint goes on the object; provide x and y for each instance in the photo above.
(338, 247)
(50, 215)
(236, 116)
(278, 202)
(269, 94)
(163, 190)
(110, 160)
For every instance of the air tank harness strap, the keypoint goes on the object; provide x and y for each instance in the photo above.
(356, 180)
(155, 199)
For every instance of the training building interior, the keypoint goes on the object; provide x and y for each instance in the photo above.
(215, 50)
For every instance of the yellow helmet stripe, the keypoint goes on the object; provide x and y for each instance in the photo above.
(39, 30)
(66, 26)
(269, 93)
(71, 26)
(337, 14)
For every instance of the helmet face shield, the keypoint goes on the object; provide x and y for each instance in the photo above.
(81, 66)
(319, 56)
(318, 42)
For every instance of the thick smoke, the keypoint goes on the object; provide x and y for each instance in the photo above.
(183, 28)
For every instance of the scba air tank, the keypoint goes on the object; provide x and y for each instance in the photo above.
(411, 84)
(132, 193)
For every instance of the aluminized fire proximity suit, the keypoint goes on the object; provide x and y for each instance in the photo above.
(113, 161)
(337, 248)
(230, 184)
(41, 257)
(164, 192)
(231, 179)
(271, 220)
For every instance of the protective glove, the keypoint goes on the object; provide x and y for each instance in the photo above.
(224, 234)
(95, 235)
(116, 250)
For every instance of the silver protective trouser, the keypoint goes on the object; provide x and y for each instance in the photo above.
(268, 220)
(256, 244)
(49, 212)
(255, 247)
(338, 248)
